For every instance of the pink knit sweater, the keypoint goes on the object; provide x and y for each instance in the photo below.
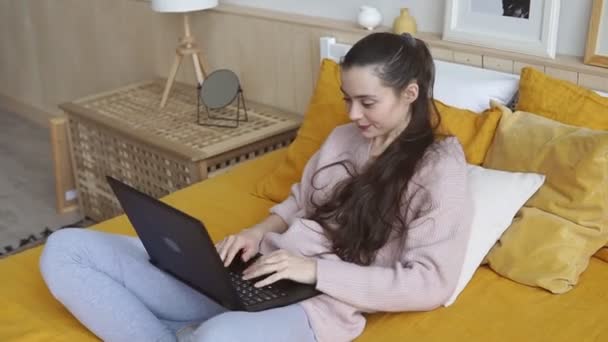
(417, 274)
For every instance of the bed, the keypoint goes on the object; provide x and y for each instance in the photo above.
(491, 307)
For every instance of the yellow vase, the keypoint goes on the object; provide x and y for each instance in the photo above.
(404, 23)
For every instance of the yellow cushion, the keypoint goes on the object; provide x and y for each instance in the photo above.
(327, 110)
(561, 100)
(474, 131)
(488, 305)
(551, 240)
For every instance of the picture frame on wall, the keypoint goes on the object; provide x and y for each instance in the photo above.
(523, 26)
(596, 52)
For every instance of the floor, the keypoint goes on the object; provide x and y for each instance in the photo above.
(27, 193)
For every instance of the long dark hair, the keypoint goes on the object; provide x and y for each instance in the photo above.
(363, 210)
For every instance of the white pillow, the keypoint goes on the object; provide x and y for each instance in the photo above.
(472, 88)
(601, 93)
(497, 196)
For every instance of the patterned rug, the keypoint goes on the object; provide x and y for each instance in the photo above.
(33, 240)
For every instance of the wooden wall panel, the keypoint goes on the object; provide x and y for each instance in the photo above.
(442, 54)
(593, 82)
(53, 52)
(517, 66)
(499, 64)
(567, 75)
(303, 81)
(268, 74)
(468, 58)
(277, 61)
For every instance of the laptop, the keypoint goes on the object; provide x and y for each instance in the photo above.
(180, 245)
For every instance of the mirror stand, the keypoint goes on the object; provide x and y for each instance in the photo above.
(227, 119)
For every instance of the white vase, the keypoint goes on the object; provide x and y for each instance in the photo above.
(369, 17)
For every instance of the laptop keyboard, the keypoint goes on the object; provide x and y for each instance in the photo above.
(252, 295)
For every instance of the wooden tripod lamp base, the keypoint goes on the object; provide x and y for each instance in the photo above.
(187, 47)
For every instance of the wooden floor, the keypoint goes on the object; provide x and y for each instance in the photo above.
(27, 193)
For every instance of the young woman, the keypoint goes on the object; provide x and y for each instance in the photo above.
(379, 222)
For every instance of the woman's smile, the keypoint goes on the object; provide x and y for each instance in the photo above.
(363, 128)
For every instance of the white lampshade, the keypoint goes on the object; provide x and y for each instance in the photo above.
(180, 6)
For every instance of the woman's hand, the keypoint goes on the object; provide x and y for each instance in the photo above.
(247, 240)
(283, 265)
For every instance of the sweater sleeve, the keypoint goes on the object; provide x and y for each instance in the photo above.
(427, 271)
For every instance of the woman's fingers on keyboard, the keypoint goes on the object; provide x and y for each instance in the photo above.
(248, 253)
(234, 250)
(225, 246)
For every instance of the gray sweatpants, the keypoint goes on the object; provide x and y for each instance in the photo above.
(107, 283)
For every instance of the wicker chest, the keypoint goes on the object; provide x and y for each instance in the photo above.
(123, 133)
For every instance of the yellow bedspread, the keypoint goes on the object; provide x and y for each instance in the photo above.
(491, 308)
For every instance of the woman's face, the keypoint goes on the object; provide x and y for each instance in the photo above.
(374, 107)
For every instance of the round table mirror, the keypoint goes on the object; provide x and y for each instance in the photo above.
(220, 89)
(217, 91)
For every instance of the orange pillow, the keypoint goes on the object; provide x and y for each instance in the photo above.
(327, 110)
(561, 100)
(552, 238)
(474, 131)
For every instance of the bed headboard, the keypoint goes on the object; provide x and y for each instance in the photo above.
(332, 49)
(566, 68)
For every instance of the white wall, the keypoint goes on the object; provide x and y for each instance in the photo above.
(574, 17)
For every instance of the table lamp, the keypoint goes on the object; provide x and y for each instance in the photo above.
(187, 45)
